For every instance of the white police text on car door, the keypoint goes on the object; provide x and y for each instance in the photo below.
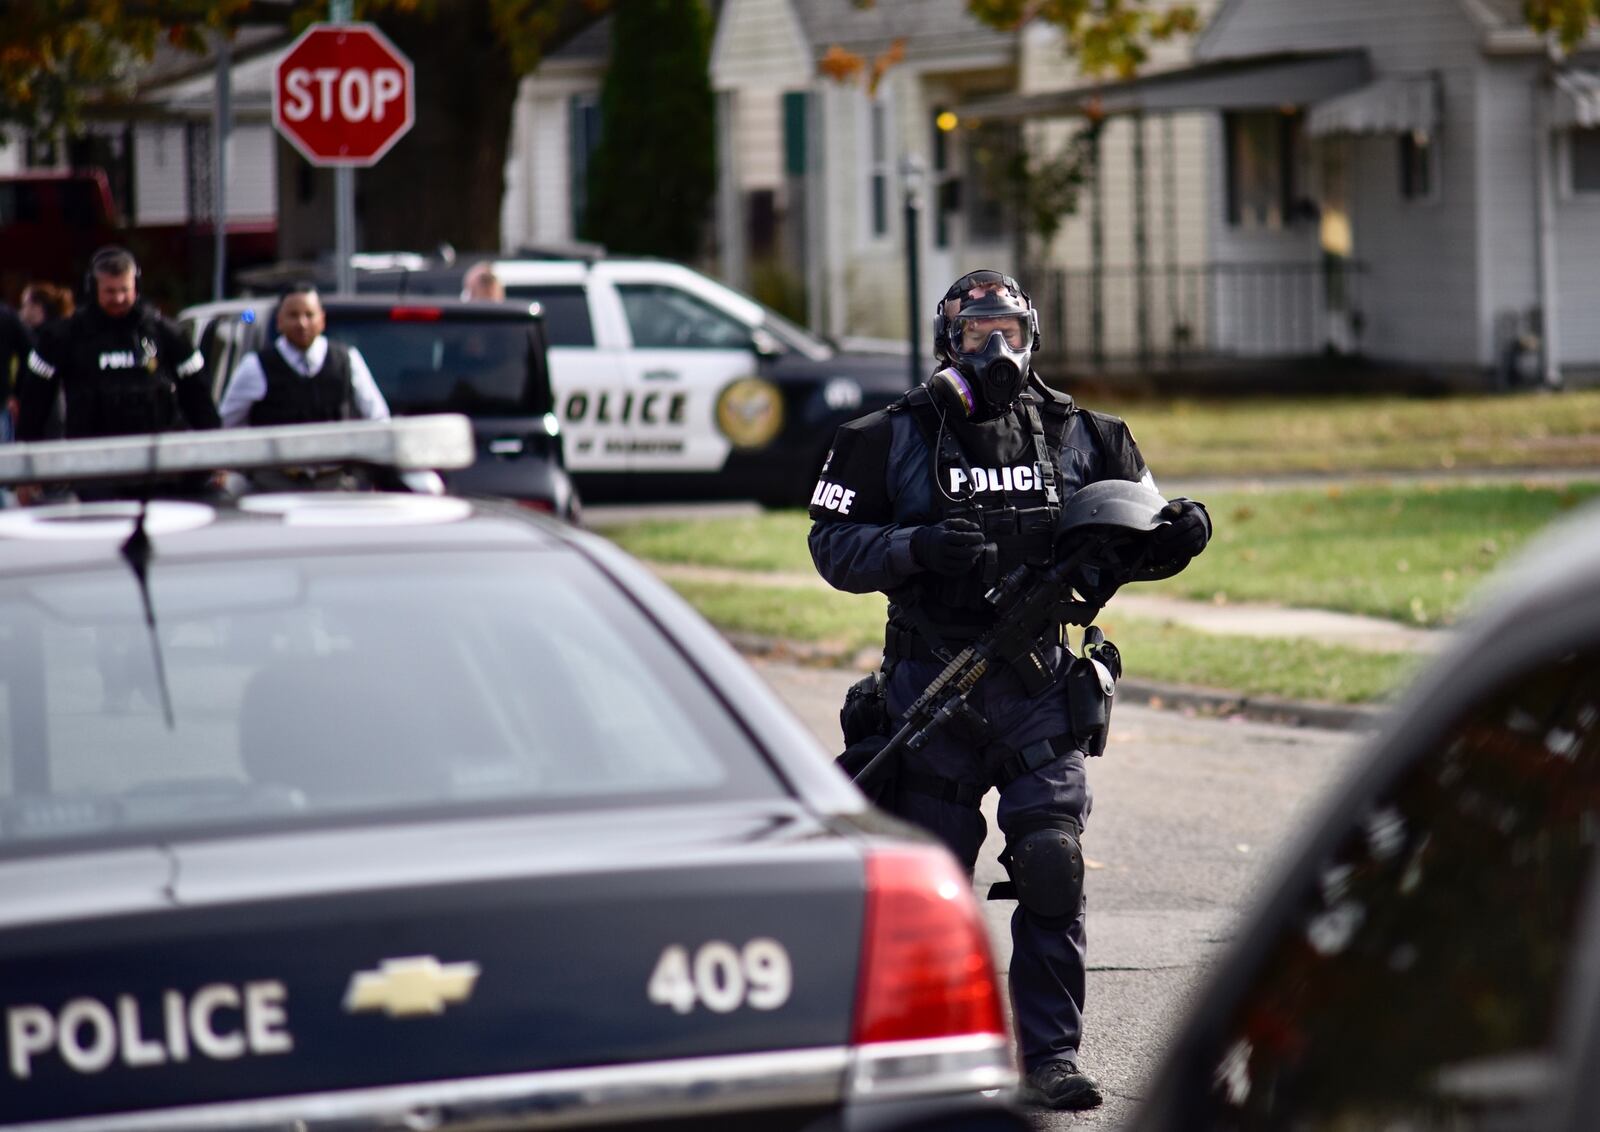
(586, 373)
(686, 354)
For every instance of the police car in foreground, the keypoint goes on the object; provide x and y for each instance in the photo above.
(387, 811)
(1429, 958)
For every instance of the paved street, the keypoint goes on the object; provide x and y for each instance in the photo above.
(1190, 814)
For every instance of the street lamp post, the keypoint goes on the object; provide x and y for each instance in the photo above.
(913, 175)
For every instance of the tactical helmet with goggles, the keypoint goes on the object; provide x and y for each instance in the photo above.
(985, 333)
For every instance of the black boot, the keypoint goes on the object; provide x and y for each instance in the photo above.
(1061, 1085)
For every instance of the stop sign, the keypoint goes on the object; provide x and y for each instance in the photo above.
(343, 94)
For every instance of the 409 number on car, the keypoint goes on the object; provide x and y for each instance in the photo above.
(722, 977)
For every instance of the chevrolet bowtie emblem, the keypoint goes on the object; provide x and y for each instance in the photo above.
(417, 984)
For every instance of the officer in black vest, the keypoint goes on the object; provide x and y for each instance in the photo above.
(121, 367)
(932, 501)
(303, 376)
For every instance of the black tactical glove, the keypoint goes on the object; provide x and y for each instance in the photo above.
(949, 548)
(1184, 534)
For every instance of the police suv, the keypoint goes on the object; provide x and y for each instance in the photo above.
(672, 385)
(367, 811)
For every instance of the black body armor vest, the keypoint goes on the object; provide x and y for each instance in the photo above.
(293, 398)
(117, 382)
(1001, 475)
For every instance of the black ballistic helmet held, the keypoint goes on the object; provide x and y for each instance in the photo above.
(984, 372)
(1119, 515)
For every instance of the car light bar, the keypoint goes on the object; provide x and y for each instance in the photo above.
(439, 441)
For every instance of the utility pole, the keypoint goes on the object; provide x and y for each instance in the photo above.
(344, 193)
(914, 175)
(221, 125)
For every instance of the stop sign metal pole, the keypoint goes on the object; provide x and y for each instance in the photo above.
(344, 193)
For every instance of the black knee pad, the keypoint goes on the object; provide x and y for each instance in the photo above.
(1046, 867)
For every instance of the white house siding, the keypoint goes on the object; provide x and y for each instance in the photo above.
(1420, 287)
(537, 206)
(1577, 256)
(758, 120)
(1176, 208)
(252, 172)
(160, 179)
(759, 44)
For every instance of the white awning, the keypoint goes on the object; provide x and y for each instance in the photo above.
(1577, 100)
(1393, 105)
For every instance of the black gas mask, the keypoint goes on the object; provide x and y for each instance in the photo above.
(985, 333)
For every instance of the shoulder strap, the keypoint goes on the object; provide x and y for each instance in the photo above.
(1043, 466)
(1116, 445)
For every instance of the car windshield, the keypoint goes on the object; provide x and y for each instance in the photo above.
(338, 687)
(481, 367)
(795, 337)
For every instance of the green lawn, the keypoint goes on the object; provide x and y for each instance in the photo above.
(1409, 554)
(1295, 669)
(1349, 434)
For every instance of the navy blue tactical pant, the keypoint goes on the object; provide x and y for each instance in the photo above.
(1047, 960)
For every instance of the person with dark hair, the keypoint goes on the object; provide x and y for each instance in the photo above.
(45, 302)
(302, 376)
(120, 366)
(934, 501)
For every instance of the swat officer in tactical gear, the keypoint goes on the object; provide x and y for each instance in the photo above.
(932, 501)
(120, 366)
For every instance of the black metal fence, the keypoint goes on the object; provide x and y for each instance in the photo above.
(1118, 318)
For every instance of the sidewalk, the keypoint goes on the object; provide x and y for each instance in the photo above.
(1231, 619)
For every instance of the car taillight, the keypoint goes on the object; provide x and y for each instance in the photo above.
(925, 965)
(414, 314)
(543, 505)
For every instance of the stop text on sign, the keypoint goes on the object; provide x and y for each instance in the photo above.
(329, 94)
(342, 94)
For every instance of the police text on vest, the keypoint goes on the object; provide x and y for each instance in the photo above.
(1020, 478)
(832, 497)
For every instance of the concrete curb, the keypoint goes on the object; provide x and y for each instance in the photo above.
(1188, 698)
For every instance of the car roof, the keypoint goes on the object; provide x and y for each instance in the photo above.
(49, 539)
(360, 306)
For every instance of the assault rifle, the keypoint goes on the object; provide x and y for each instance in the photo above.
(1109, 525)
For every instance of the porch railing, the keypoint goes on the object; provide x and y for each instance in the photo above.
(1120, 318)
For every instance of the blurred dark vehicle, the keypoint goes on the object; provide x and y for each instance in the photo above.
(486, 360)
(1430, 957)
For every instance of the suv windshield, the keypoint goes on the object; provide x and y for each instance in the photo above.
(304, 689)
(481, 367)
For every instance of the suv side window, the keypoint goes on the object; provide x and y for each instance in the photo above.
(1422, 981)
(566, 312)
(663, 317)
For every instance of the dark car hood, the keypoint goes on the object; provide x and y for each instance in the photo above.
(875, 373)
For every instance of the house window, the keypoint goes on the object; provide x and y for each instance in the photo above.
(1583, 162)
(1418, 157)
(1260, 150)
(583, 120)
(878, 154)
(988, 190)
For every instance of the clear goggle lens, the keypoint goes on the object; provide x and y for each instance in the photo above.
(974, 332)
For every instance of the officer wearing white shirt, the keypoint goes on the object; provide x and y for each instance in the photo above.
(302, 377)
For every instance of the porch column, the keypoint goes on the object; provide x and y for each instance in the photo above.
(730, 202)
(1545, 209)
